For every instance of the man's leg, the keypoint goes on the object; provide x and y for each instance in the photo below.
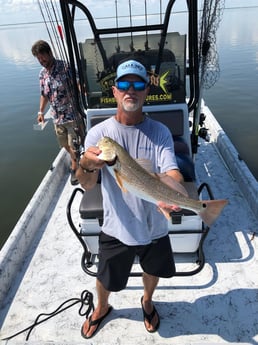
(156, 265)
(73, 166)
(100, 310)
(150, 283)
(65, 135)
(72, 154)
(71, 140)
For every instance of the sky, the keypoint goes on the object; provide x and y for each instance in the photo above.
(15, 11)
(27, 11)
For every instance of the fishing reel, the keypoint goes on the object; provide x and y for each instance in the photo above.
(203, 131)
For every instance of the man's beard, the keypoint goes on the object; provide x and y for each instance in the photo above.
(131, 106)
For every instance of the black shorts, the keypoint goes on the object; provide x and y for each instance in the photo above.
(116, 260)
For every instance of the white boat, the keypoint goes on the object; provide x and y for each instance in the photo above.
(213, 299)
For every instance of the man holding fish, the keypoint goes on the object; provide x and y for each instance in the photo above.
(136, 157)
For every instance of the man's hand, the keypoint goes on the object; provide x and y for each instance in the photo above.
(41, 117)
(90, 159)
(168, 208)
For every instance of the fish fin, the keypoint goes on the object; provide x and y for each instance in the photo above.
(119, 181)
(172, 183)
(211, 210)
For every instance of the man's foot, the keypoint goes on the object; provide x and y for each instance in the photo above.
(151, 320)
(73, 178)
(90, 327)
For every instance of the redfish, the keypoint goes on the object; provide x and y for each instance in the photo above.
(132, 177)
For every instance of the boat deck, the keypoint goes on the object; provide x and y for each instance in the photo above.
(218, 305)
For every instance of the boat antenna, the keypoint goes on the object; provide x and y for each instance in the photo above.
(117, 36)
(146, 23)
(131, 25)
(209, 71)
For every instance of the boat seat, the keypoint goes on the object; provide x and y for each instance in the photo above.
(185, 227)
(91, 206)
(186, 231)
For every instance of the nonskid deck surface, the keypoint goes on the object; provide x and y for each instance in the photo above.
(218, 305)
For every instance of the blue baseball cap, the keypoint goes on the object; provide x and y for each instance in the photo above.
(132, 67)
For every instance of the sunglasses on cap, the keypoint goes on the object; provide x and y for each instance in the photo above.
(125, 85)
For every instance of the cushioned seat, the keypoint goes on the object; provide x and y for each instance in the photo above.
(91, 204)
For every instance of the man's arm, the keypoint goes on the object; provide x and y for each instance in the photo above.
(89, 165)
(176, 175)
(42, 105)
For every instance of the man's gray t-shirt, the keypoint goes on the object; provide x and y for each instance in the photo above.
(126, 217)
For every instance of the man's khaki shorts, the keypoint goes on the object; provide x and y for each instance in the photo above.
(65, 134)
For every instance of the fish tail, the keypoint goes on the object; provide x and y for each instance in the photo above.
(211, 210)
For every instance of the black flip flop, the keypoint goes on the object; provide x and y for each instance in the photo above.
(95, 323)
(149, 318)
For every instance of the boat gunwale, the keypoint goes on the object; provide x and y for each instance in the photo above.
(238, 169)
(18, 245)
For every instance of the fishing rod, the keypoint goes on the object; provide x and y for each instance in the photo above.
(131, 25)
(160, 11)
(146, 24)
(45, 22)
(117, 35)
(62, 47)
(45, 5)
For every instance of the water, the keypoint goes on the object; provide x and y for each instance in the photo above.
(234, 98)
(26, 155)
